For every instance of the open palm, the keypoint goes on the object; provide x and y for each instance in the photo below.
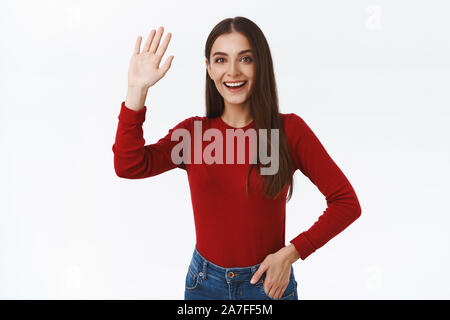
(144, 70)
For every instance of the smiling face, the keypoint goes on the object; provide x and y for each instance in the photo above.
(232, 61)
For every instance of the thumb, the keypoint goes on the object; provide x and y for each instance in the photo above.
(165, 67)
(262, 268)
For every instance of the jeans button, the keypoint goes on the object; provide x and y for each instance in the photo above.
(201, 274)
(230, 274)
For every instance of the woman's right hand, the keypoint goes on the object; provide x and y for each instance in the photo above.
(144, 70)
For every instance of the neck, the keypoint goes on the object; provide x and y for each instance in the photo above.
(237, 115)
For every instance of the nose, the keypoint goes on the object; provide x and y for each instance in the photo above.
(234, 69)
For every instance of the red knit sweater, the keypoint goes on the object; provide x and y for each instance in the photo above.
(233, 228)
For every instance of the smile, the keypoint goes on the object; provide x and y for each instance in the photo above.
(235, 88)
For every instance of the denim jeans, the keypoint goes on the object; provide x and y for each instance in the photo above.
(207, 281)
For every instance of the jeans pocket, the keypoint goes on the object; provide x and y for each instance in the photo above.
(192, 279)
(289, 292)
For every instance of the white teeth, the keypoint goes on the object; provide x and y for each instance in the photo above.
(234, 84)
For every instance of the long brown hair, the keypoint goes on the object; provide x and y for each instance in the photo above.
(263, 99)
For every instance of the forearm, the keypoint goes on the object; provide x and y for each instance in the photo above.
(135, 99)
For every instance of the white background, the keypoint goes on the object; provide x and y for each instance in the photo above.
(371, 78)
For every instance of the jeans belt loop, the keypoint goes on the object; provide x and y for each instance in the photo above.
(205, 263)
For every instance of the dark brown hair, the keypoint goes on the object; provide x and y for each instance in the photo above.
(263, 99)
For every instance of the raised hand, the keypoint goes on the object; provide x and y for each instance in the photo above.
(144, 70)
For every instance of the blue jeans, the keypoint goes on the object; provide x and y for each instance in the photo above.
(207, 281)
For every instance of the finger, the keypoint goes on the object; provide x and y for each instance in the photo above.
(155, 42)
(273, 293)
(149, 41)
(262, 268)
(137, 45)
(270, 291)
(167, 65)
(278, 293)
(165, 43)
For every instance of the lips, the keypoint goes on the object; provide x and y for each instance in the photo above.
(244, 83)
(236, 89)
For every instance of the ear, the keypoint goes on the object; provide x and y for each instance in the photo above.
(208, 68)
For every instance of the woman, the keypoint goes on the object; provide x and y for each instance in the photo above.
(239, 211)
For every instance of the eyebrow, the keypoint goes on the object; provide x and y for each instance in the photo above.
(223, 53)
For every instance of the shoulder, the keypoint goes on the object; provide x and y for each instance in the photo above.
(188, 123)
(293, 123)
(298, 131)
(199, 121)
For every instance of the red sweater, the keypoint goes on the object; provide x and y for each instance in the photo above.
(233, 229)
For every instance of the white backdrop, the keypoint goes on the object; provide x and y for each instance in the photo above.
(371, 78)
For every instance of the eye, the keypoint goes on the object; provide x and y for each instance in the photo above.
(248, 57)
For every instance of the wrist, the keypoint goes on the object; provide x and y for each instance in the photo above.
(136, 96)
(292, 254)
(138, 88)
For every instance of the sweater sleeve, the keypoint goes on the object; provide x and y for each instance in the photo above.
(343, 207)
(135, 160)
